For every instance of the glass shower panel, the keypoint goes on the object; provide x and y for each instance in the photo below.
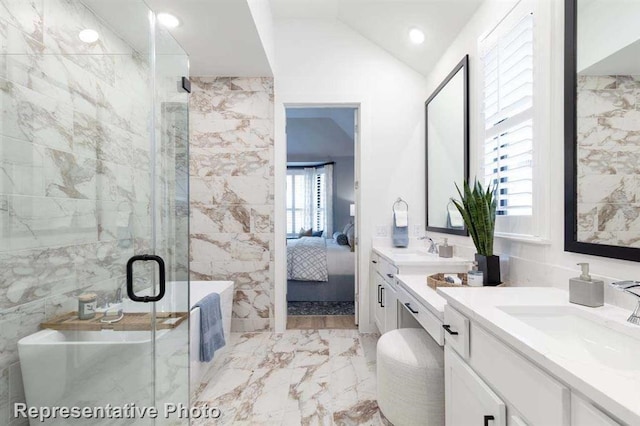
(171, 221)
(92, 172)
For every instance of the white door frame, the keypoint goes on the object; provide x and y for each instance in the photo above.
(280, 172)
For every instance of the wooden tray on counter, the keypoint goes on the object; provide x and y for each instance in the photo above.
(131, 321)
(437, 280)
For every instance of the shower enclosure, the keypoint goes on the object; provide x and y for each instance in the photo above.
(93, 174)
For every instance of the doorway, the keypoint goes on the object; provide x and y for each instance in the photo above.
(321, 196)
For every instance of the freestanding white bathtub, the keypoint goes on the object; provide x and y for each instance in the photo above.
(93, 368)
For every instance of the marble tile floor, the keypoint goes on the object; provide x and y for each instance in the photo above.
(300, 377)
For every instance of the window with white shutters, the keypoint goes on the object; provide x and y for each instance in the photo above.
(508, 107)
(297, 200)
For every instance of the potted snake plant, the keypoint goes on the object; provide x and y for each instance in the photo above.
(478, 209)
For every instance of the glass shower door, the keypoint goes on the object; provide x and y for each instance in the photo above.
(93, 171)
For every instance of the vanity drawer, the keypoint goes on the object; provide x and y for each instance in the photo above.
(388, 271)
(427, 320)
(584, 413)
(456, 331)
(540, 399)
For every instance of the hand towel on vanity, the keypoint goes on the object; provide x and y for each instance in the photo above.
(400, 233)
(211, 330)
(401, 218)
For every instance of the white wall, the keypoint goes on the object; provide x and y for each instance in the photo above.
(546, 263)
(261, 14)
(323, 61)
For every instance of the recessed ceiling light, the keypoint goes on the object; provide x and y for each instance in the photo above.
(416, 36)
(168, 20)
(89, 35)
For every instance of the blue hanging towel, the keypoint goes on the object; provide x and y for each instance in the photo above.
(400, 229)
(211, 331)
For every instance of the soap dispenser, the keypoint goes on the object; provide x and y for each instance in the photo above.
(445, 250)
(586, 291)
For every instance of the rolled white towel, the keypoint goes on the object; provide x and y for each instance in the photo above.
(453, 278)
(402, 219)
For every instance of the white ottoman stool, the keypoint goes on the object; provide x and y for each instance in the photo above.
(410, 378)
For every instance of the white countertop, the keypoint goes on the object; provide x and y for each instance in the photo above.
(617, 390)
(417, 256)
(417, 286)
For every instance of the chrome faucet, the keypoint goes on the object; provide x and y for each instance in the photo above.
(433, 247)
(626, 286)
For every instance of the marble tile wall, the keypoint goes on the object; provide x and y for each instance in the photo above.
(609, 160)
(74, 168)
(231, 192)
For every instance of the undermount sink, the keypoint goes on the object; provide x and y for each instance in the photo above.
(582, 335)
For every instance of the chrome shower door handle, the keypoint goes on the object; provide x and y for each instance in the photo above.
(162, 282)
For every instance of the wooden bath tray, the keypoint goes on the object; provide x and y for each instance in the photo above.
(132, 321)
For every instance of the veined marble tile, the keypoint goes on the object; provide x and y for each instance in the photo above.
(628, 82)
(16, 325)
(600, 82)
(607, 189)
(247, 325)
(246, 275)
(232, 105)
(223, 247)
(619, 217)
(587, 217)
(26, 15)
(53, 76)
(225, 84)
(230, 135)
(245, 163)
(32, 222)
(262, 219)
(101, 260)
(231, 190)
(21, 168)
(30, 116)
(249, 304)
(215, 219)
(69, 176)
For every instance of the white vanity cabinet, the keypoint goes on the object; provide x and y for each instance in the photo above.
(486, 377)
(384, 291)
(386, 265)
(468, 400)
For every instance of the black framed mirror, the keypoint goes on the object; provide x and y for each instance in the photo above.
(602, 129)
(447, 150)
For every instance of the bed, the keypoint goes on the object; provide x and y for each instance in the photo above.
(326, 271)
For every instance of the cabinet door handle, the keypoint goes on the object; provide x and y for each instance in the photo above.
(374, 261)
(381, 297)
(447, 328)
(379, 301)
(488, 419)
(408, 305)
(390, 276)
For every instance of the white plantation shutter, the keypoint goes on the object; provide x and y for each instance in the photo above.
(307, 210)
(507, 62)
(319, 201)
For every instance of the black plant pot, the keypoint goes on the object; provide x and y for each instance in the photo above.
(490, 267)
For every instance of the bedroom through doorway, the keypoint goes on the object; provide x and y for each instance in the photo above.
(321, 217)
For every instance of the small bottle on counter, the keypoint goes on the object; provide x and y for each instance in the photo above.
(445, 250)
(475, 277)
(586, 291)
(87, 306)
